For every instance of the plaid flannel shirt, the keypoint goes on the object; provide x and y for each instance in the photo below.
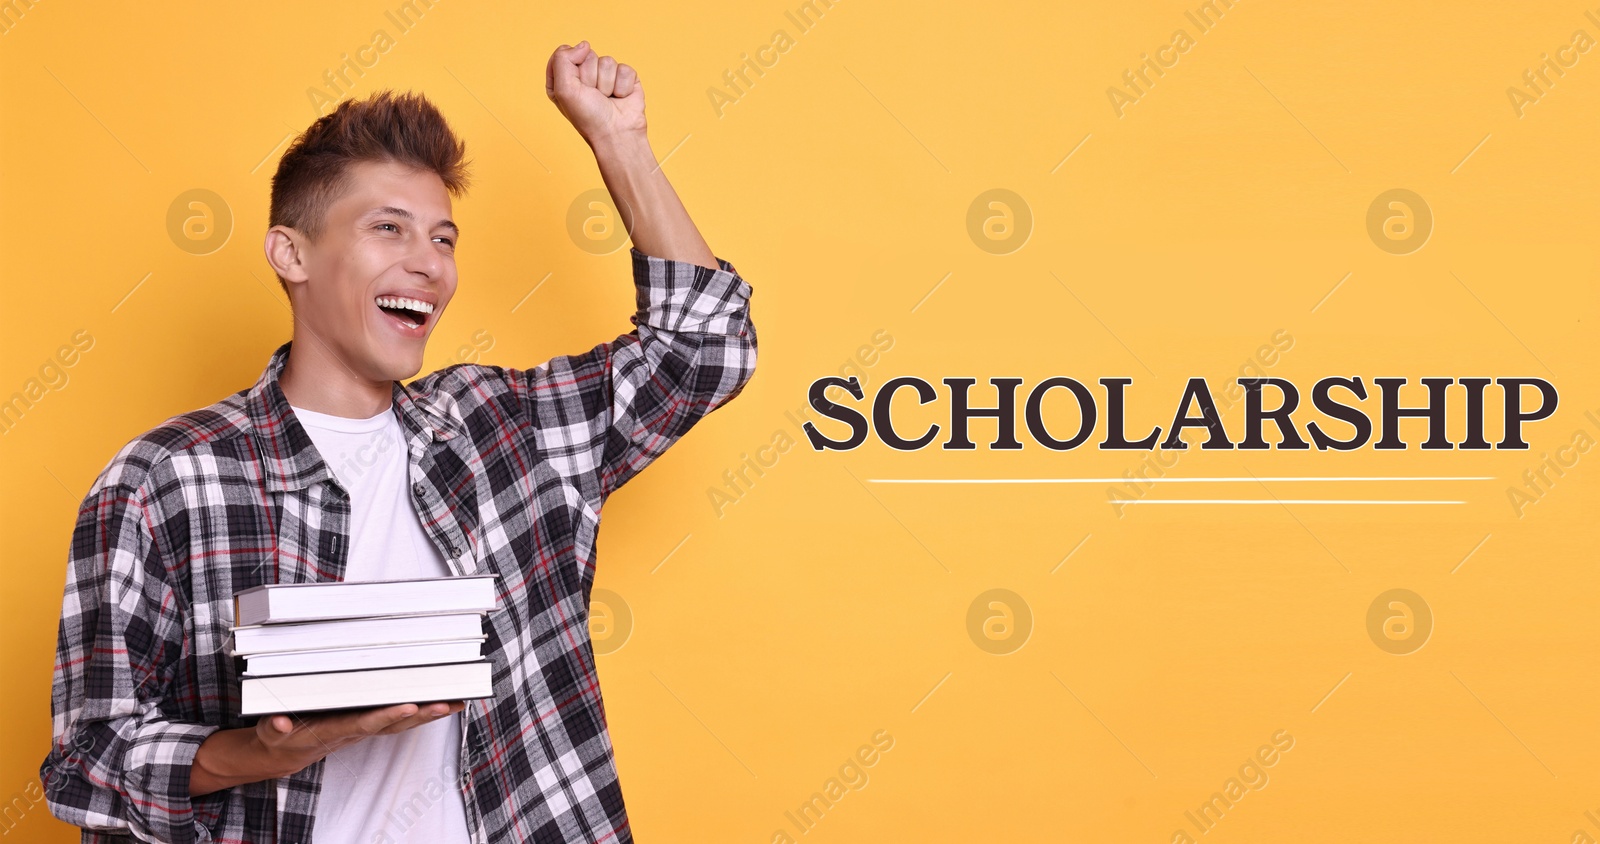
(510, 470)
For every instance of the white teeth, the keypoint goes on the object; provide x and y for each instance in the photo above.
(417, 305)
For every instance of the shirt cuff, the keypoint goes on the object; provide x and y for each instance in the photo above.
(684, 296)
(156, 768)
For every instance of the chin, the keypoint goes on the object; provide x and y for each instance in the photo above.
(398, 366)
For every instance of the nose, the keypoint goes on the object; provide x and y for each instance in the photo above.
(425, 259)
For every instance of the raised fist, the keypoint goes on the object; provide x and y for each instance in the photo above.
(600, 97)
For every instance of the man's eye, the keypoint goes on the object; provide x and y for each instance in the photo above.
(390, 225)
(452, 243)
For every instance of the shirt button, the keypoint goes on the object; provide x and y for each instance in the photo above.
(419, 490)
(455, 550)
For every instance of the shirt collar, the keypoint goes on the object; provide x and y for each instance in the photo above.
(290, 461)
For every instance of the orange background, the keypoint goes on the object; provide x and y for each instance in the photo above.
(750, 649)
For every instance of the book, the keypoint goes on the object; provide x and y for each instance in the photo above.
(354, 633)
(365, 688)
(276, 603)
(351, 659)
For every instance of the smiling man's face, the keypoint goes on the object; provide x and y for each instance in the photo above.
(372, 287)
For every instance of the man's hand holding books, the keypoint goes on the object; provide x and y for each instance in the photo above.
(331, 664)
(280, 745)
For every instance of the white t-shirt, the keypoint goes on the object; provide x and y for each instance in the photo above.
(401, 787)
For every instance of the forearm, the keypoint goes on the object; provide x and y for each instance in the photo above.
(292, 743)
(232, 757)
(650, 208)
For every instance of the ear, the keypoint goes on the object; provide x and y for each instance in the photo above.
(284, 247)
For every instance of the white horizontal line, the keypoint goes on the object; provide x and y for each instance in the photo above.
(1143, 480)
(1277, 501)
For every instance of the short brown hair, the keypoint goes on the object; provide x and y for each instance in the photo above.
(404, 128)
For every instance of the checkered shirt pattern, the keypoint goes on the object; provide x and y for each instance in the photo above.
(510, 468)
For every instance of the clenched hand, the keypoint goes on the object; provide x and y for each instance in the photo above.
(600, 97)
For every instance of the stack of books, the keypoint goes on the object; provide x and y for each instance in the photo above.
(318, 646)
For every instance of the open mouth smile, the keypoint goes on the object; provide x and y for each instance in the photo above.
(407, 314)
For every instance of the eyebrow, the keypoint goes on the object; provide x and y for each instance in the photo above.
(401, 212)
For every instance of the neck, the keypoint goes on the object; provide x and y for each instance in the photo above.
(315, 378)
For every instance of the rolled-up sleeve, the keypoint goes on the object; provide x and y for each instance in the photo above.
(117, 762)
(693, 350)
(601, 416)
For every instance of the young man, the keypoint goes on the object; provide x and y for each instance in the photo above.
(331, 468)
